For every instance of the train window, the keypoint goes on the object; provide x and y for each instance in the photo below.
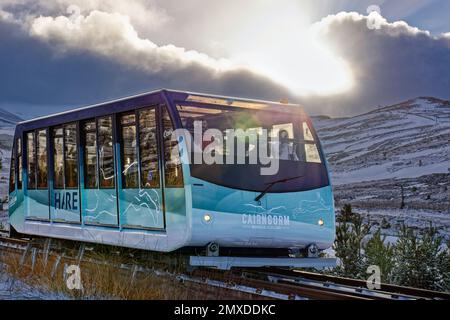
(42, 173)
(148, 149)
(106, 152)
(31, 160)
(172, 163)
(19, 163)
(90, 155)
(12, 171)
(58, 158)
(71, 155)
(307, 134)
(129, 151)
(312, 153)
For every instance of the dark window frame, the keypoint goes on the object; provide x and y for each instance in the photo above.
(13, 169)
(20, 153)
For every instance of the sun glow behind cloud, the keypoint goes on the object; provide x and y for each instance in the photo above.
(283, 44)
(274, 39)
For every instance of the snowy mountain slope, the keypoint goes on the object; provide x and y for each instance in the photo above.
(406, 140)
(391, 158)
(7, 117)
(7, 125)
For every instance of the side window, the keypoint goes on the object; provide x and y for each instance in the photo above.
(42, 165)
(12, 170)
(90, 155)
(31, 160)
(307, 134)
(106, 152)
(148, 149)
(58, 158)
(172, 162)
(129, 151)
(311, 150)
(19, 163)
(70, 156)
(312, 153)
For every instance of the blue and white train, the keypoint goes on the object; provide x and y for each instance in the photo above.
(108, 174)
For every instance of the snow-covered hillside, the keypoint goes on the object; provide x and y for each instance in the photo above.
(7, 125)
(407, 140)
(376, 155)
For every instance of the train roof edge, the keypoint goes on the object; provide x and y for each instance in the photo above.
(157, 91)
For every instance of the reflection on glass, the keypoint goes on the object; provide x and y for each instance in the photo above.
(31, 161)
(172, 164)
(148, 149)
(307, 134)
(287, 134)
(71, 155)
(12, 172)
(128, 119)
(90, 155)
(312, 153)
(129, 152)
(283, 146)
(19, 166)
(106, 152)
(42, 172)
(58, 159)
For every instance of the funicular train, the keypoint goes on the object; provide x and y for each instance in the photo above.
(122, 173)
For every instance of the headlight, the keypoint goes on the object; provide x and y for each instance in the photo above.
(207, 218)
(320, 222)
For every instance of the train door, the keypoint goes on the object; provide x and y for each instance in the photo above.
(64, 189)
(36, 195)
(98, 178)
(140, 186)
(173, 181)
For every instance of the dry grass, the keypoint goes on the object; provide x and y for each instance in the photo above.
(99, 280)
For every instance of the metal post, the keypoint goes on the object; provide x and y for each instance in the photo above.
(25, 253)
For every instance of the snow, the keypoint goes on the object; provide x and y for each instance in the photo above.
(373, 154)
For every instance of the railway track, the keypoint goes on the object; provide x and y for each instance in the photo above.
(261, 283)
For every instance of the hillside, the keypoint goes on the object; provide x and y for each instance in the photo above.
(7, 125)
(373, 156)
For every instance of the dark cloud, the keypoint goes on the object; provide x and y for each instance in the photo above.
(391, 64)
(35, 80)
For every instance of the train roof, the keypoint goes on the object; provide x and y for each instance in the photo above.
(144, 99)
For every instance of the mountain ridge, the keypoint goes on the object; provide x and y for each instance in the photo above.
(373, 156)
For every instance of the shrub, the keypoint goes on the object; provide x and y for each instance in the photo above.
(378, 253)
(419, 260)
(346, 213)
(348, 247)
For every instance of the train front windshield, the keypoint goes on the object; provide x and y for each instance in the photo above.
(289, 139)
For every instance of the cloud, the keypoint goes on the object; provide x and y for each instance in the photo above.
(111, 35)
(56, 57)
(56, 64)
(390, 63)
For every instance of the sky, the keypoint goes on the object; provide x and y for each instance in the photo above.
(337, 58)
